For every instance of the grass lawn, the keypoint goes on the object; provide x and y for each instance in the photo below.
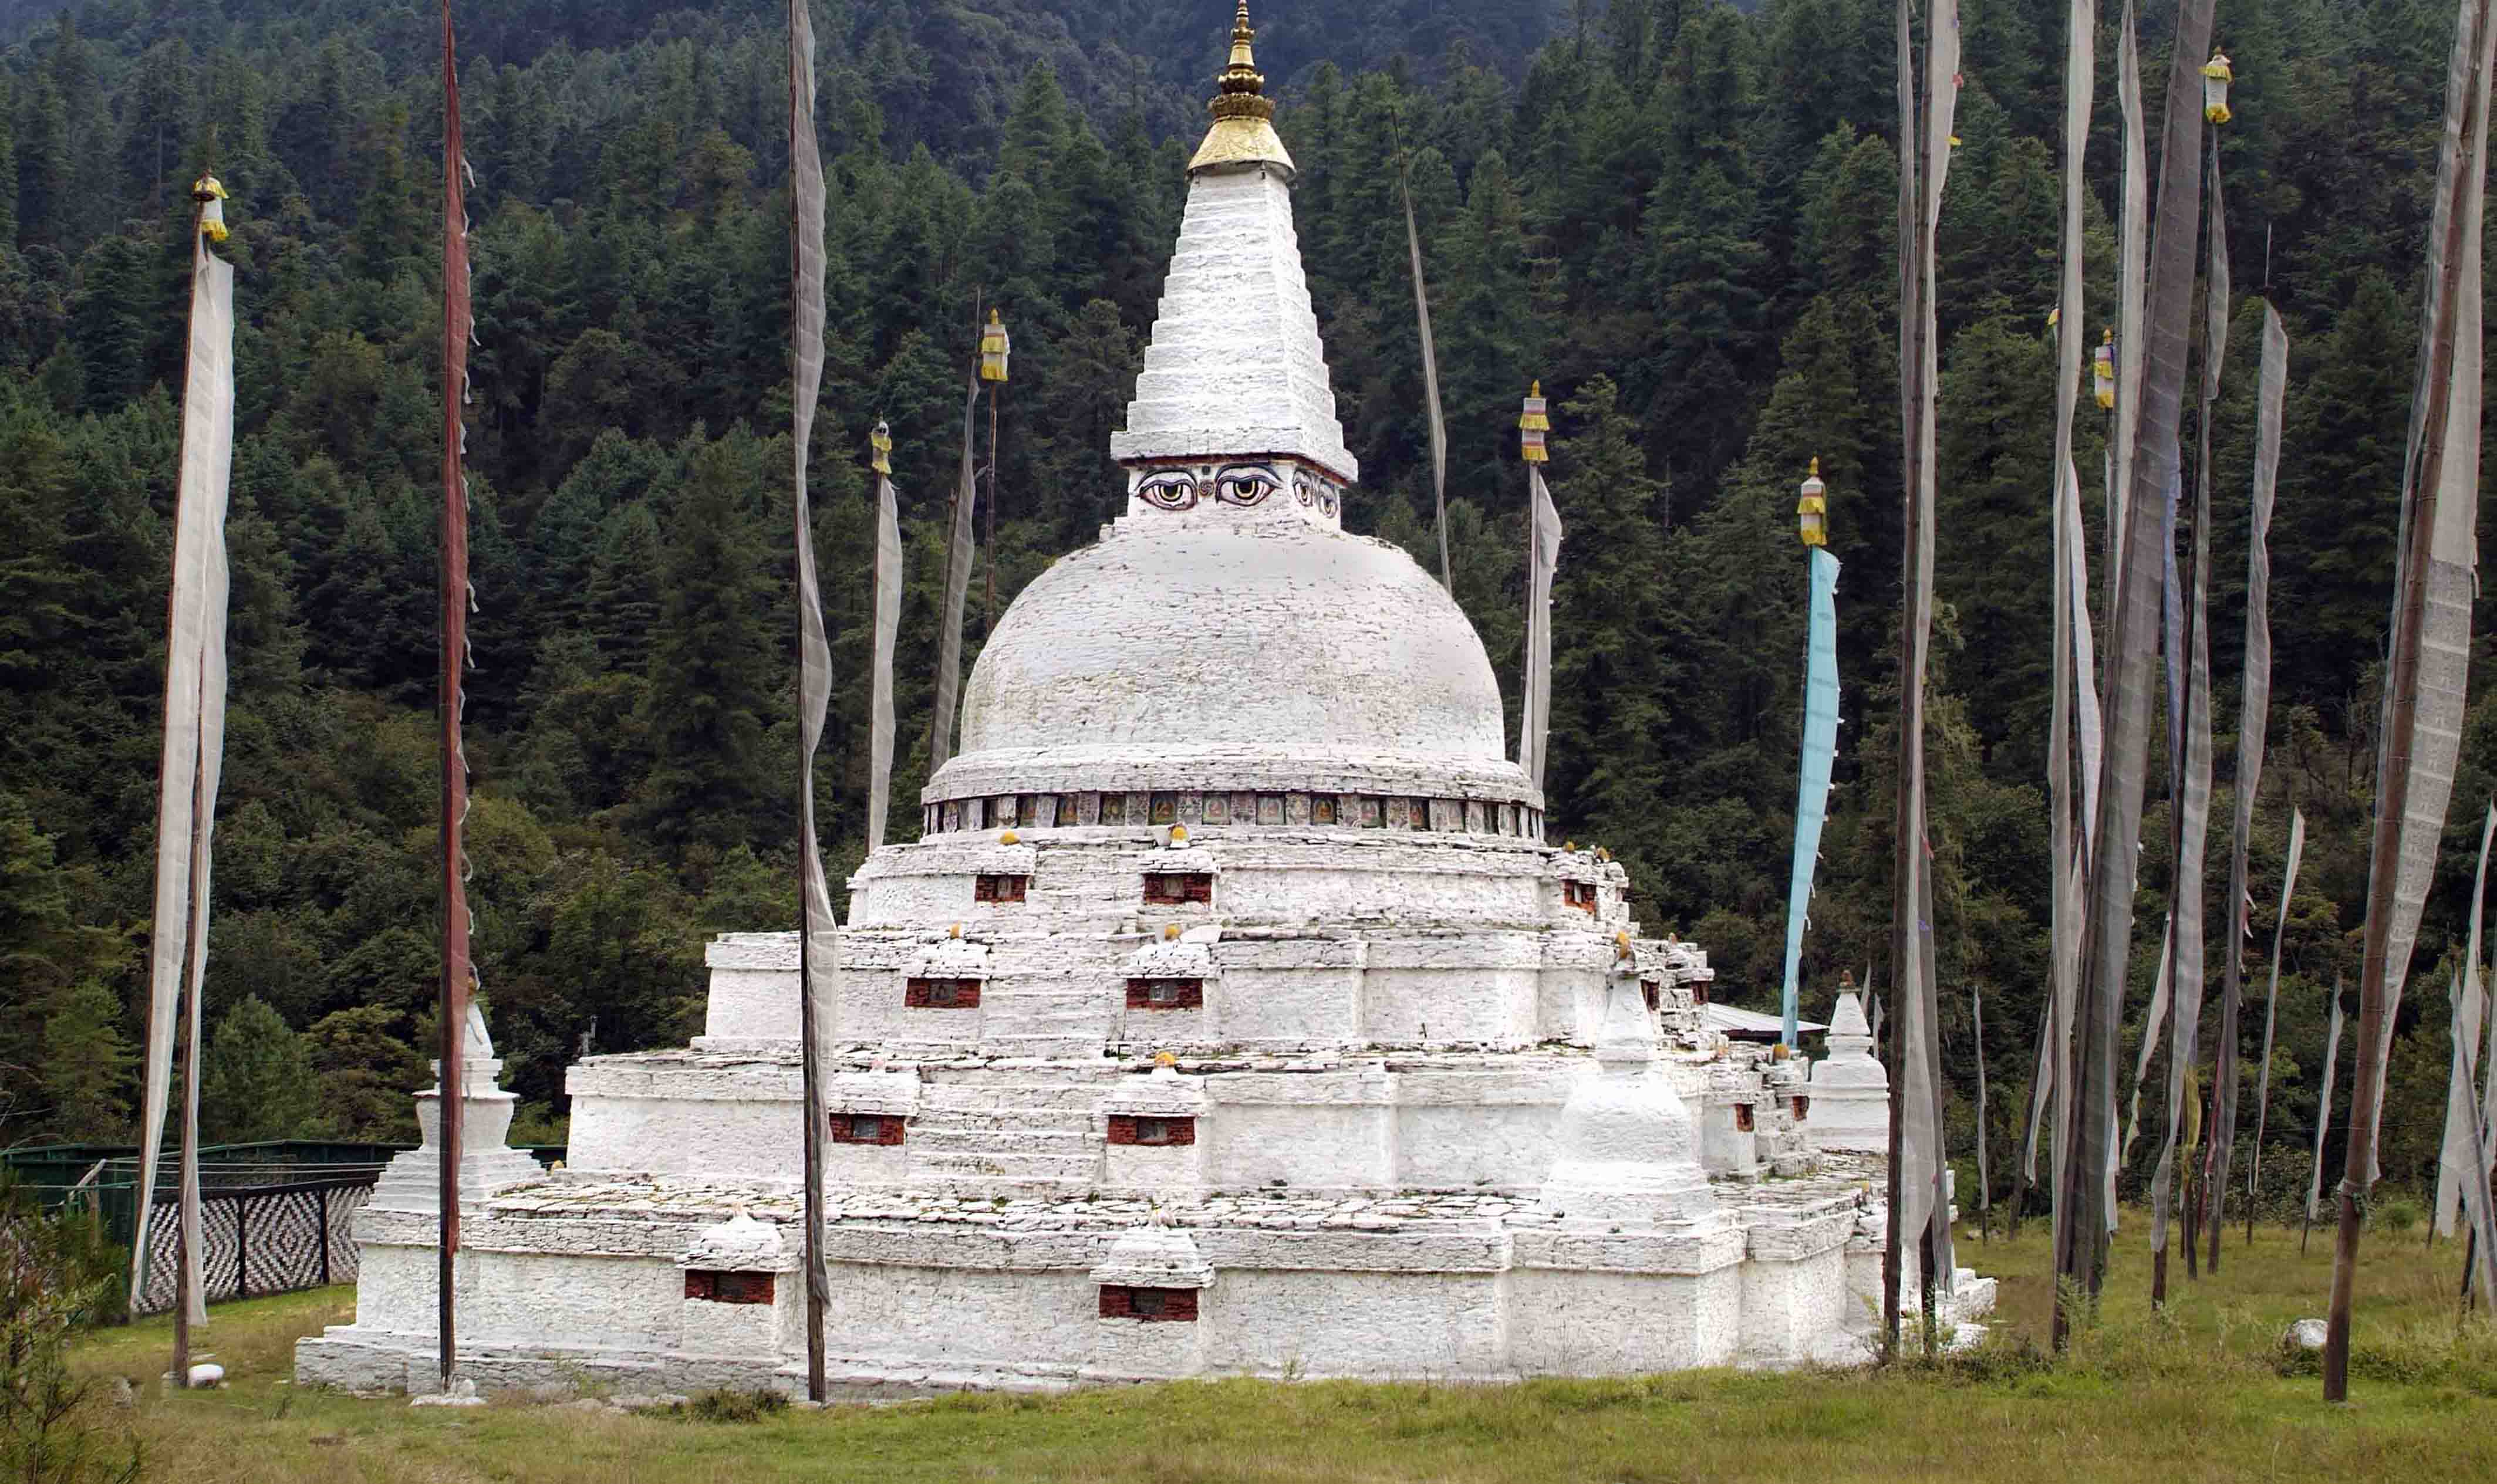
(2192, 1395)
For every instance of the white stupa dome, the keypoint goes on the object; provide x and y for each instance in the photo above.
(1211, 649)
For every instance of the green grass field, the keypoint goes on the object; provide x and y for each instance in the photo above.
(2194, 1394)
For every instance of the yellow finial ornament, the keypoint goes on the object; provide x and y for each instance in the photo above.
(2217, 75)
(995, 346)
(1532, 423)
(1244, 116)
(1009, 837)
(210, 193)
(1811, 511)
(879, 444)
(2103, 370)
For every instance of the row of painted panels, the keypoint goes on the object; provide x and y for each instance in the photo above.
(1194, 808)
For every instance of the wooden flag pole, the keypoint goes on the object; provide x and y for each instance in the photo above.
(454, 995)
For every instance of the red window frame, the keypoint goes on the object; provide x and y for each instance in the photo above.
(1177, 888)
(855, 1128)
(719, 1287)
(999, 887)
(1120, 1301)
(1178, 994)
(940, 995)
(1152, 1131)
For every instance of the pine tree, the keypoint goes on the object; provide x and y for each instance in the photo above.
(2334, 554)
(1995, 434)
(8, 165)
(622, 604)
(713, 667)
(369, 1075)
(256, 1080)
(84, 1076)
(1616, 653)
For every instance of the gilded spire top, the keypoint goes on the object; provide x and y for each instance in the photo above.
(1244, 116)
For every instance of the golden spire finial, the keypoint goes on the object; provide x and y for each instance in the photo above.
(1244, 116)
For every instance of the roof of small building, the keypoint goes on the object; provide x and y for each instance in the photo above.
(1752, 1025)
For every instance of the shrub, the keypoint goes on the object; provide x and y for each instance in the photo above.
(2399, 1215)
(58, 1277)
(722, 1405)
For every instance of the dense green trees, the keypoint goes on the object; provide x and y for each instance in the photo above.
(1677, 213)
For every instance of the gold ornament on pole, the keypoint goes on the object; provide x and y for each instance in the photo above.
(994, 345)
(2216, 77)
(1532, 425)
(880, 448)
(211, 197)
(2102, 372)
(1812, 511)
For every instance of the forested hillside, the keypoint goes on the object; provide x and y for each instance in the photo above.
(1677, 214)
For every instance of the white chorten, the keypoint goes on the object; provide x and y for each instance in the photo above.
(1851, 1093)
(1230, 1016)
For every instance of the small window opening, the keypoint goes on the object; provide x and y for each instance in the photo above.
(1743, 1118)
(1165, 993)
(1802, 1108)
(1173, 888)
(728, 1287)
(1161, 1305)
(1001, 887)
(940, 995)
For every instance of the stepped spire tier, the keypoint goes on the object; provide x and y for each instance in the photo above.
(1235, 370)
(1231, 1013)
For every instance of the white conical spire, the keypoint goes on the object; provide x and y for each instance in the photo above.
(1235, 370)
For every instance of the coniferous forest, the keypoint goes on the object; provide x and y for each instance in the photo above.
(1678, 214)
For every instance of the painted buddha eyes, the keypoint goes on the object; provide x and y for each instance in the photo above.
(1174, 490)
(1245, 483)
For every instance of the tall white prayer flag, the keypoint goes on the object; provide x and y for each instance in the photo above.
(195, 710)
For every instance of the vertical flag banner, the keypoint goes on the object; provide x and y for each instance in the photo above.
(2324, 1106)
(818, 946)
(2194, 801)
(888, 626)
(194, 740)
(2086, 1214)
(2271, 1001)
(1926, 113)
(2458, 1165)
(2432, 602)
(1819, 754)
(1429, 387)
(1543, 558)
(957, 588)
(2080, 67)
(2254, 718)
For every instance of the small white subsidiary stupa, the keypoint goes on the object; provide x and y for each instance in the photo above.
(1230, 1016)
(1851, 1093)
